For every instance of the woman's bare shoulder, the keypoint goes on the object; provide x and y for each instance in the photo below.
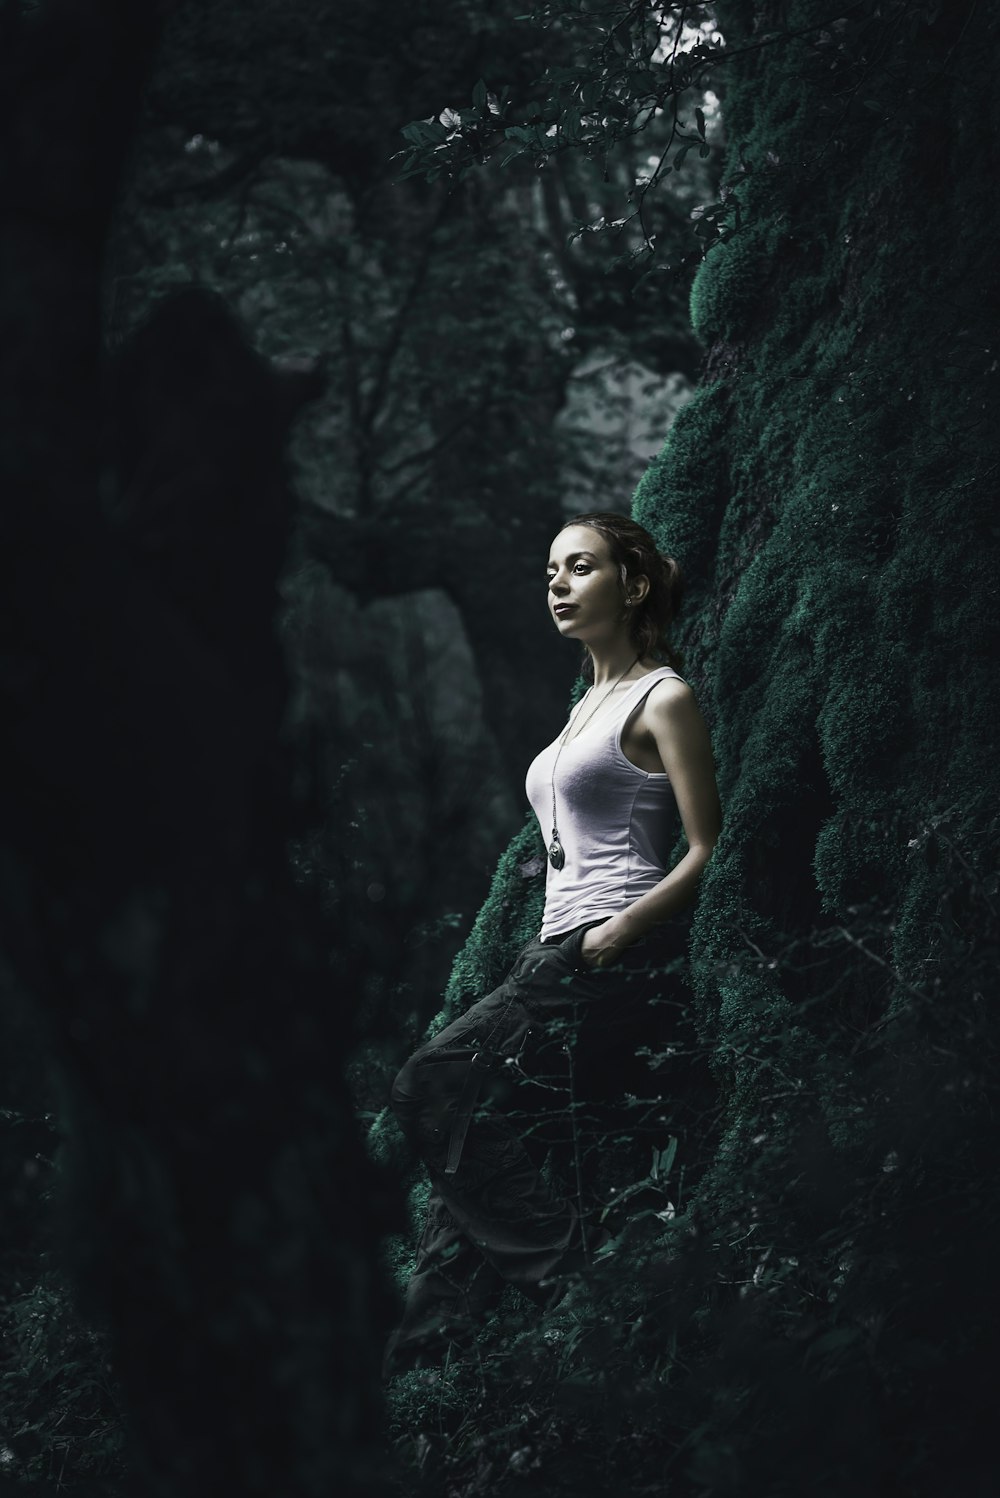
(672, 707)
(668, 692)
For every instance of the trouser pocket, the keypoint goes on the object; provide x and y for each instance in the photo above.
(570, 945)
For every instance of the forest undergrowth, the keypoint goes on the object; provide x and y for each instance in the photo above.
(803, 1309)
(60, 1406)
(807, 1309)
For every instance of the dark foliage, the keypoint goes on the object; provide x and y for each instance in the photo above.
(818, 1316)
(169, 966)
(798, 1162)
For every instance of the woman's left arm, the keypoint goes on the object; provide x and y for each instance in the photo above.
(681, 735)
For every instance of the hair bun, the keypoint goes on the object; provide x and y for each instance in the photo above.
(673, 582)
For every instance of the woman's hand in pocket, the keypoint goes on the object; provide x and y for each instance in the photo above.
(601, 945)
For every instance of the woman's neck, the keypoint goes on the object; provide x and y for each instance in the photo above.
(614, 662)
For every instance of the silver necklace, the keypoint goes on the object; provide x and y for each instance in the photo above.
(557, 853)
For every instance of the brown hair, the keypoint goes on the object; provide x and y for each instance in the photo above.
(634, 551)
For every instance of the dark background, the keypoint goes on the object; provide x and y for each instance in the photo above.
(289, 419)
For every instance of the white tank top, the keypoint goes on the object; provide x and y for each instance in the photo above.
(617, 823)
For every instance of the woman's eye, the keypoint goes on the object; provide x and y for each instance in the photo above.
(581, 566)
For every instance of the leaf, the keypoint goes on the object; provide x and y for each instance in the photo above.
(479, 94)
(699, 115)
(654, 270)
(663, 1159)
(571, 124)
(644, 81)
(424, 133)
(665, 1214)
(668, 1155)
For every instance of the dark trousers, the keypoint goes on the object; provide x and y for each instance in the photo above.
(512, 1078)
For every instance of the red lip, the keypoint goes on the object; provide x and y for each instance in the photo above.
(562, 608)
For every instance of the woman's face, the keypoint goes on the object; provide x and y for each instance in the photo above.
(585, 597)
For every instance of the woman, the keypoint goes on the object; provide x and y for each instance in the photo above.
(635, 753)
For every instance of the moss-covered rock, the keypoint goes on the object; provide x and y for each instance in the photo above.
(830, 490)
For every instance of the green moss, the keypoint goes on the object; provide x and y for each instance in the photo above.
(732, 281)
(728, 270)
(683, 492)
(510, 916)
(832, 500)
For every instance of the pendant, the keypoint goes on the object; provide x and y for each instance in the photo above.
(557, 856)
